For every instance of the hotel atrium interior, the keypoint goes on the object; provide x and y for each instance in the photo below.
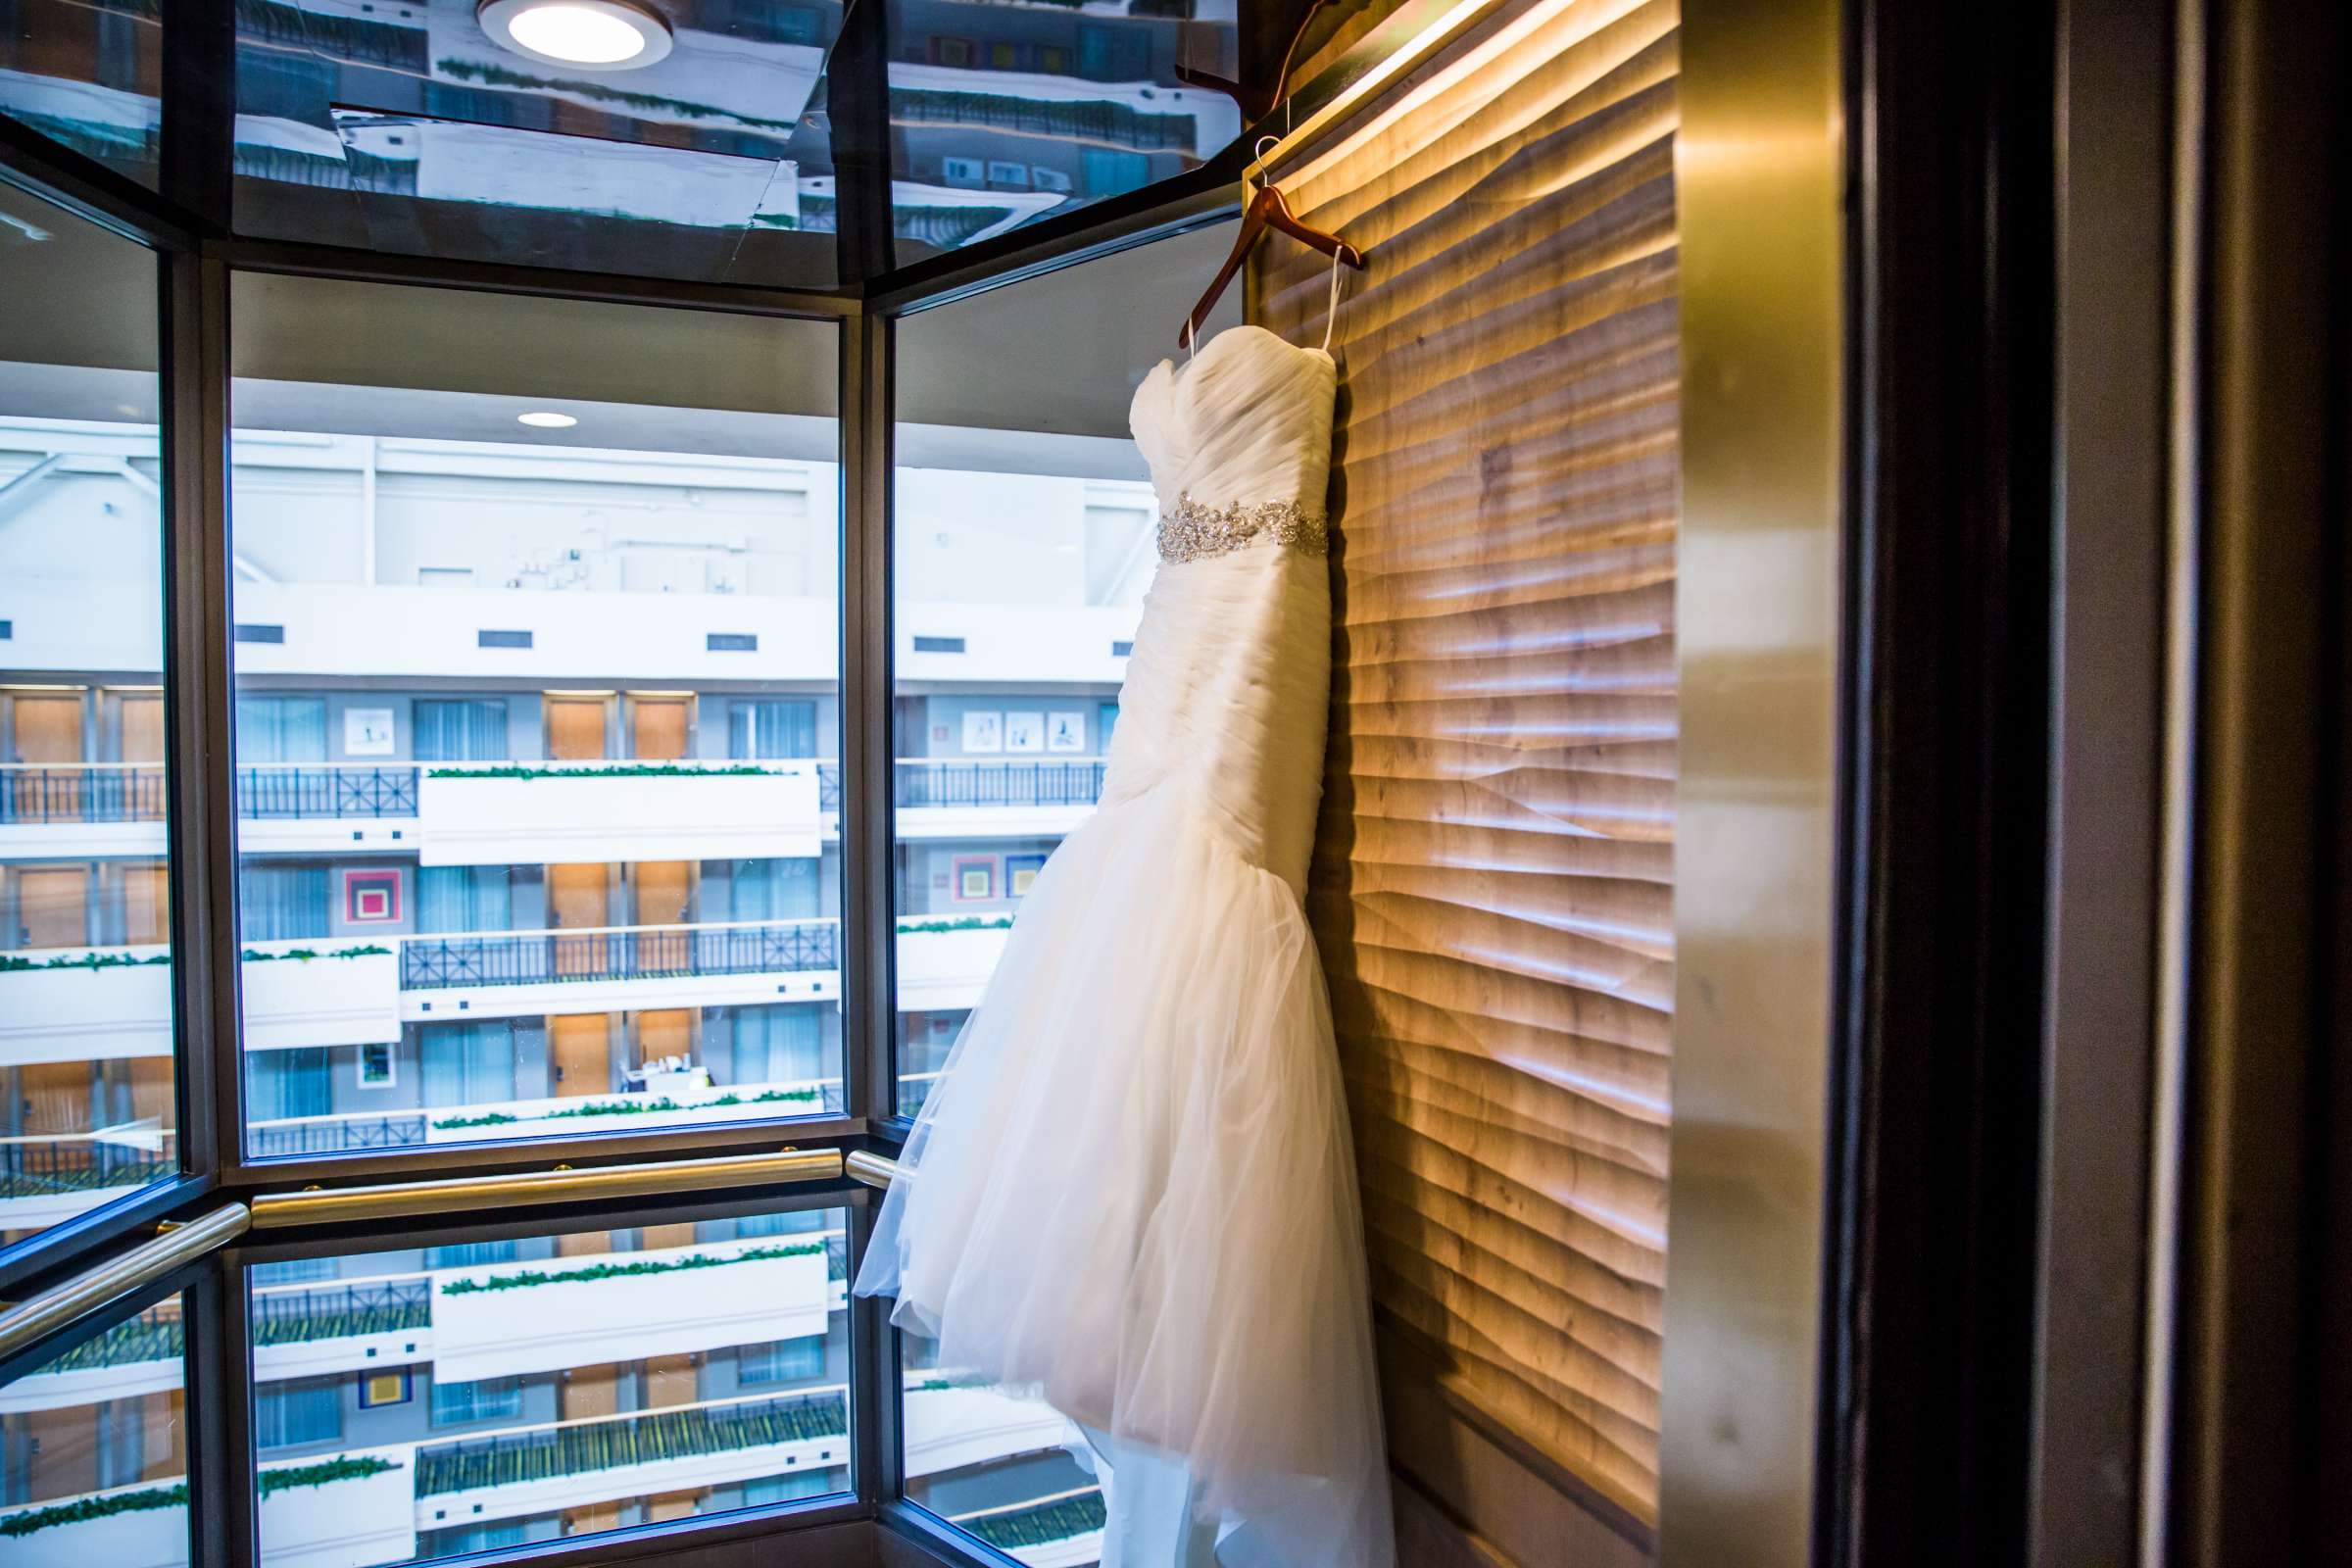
(675, 870)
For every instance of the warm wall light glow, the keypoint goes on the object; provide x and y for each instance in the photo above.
(607, 34)
(542, 420)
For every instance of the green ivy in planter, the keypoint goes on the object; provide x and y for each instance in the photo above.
(81, 1510)
(10, 964)
(620, 770)
(970, 923)
(306, 955)
(325, 1473)
(611, 1108)
(613, 1271)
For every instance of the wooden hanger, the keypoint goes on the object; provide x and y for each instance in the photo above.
(1257, 99)
(1266, 210)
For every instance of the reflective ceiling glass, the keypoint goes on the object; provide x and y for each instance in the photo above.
(88, 73)
(1004, 112)
(404, 126)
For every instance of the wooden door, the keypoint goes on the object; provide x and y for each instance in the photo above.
(579, 899)
(575, 727)
(142, 716)
(666, 1032)
(657, 727)
(53, 907)
(146, 901)
(48, 730)
(671, 1380)
(661, 893)
(580, 1048)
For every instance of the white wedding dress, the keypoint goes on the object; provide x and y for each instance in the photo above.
(1133, 1191)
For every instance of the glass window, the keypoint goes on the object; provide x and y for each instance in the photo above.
(93, 1450)
(579, 1382)
(87, 1086)
(1021, 562)
(88, 73)
(1000, 1467)
(1002, 115)
(408, 126)
(538, 608)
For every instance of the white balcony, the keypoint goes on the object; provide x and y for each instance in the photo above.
(320, 993)
(46, 1179)
(513, 974)
(994, 797)
(506, 1319)
(654, 1109)
(951, 1428)
(549, 814)
(354, 1508)
(945, 970)
(105, 1004)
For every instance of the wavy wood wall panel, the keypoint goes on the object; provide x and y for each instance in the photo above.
(1492, 886)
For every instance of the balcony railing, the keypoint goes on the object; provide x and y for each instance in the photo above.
(34, 793)
(280, 791)
(38, 792)
(582, 1447)
(48, 1167)
(1038, 1524)
(335, 1134)
(620, 952)
(305, 1313)
(968, 782)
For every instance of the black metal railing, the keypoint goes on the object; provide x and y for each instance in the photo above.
(47, 1169)
(957, 783)
(328, 1311)
(334, 1136)
(70, 793)
(663, 952)
(329, 792)
(512, 1458)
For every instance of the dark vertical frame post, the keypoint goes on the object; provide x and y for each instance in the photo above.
(221, 1496)
(864, 243)
(199, 106)
(199, 707)
(867, 410)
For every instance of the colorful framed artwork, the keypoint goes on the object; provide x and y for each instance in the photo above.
(976, 878)
(385, 1388)
(371, 898)
(377, 1067)
(1020, 873)
(1024, 733)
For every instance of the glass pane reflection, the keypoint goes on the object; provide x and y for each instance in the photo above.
(450, 1399)
(93, 1452)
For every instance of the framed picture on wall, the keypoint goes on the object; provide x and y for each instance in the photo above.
(368, 732)
(385, 1388)
(984, 732)
(1020, 873)
(378, 1066)
(1024, 733)
(371, 898)
(976, 878)
(1065, 732)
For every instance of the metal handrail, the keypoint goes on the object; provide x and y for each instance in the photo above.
(564, 1184)
(28, 1321)
(875, 1170)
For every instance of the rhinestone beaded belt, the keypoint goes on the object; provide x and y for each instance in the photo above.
(1190, 531)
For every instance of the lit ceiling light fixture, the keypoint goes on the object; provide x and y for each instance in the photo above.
(543, 420)
(606, 34)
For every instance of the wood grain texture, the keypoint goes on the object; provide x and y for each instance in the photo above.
(1492, 886)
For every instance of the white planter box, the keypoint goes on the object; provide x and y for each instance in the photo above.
(326, 1001)
(947, 1429)
(559, 817)
(542, 1328)
(49, 1015)
(152, 1538)
(58, 1390)
(79, 841)
(940, 971)
(624, 1482)
(343, 1524)
(424, 1005)
(536, 1118)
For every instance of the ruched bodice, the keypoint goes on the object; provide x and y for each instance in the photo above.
(1227, 692)
(1248, 421)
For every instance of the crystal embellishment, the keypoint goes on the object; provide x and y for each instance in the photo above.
(1190, 531)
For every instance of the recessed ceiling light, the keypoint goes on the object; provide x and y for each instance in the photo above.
(542, 420)
(604, 35)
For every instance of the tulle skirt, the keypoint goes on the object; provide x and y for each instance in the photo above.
(1134, 1195)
